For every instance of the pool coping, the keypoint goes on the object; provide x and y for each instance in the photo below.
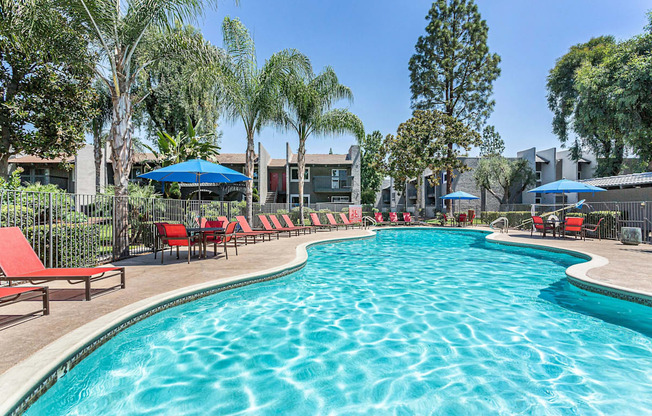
(25, 382)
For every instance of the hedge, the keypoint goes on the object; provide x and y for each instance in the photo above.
(72, 245)
(514, 217)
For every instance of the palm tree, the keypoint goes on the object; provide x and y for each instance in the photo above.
(308, 111)
(249, 93)
(128, 36)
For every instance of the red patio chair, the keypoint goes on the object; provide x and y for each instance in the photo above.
(11, 295)
(316, 222)
(574, 225)
(160, 233)
(246, 228)
(393, 218)
(346, 221)
(268, 227)
(407, 217)
(333, 222)
(538, 224)
(177, 236)
(19, 262)
(461, 219)
(593, 228)
(379, 219)
(289, 223)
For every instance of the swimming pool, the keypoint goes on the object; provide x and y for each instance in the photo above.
(410, 322)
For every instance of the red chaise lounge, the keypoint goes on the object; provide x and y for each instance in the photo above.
(346, 221)
(19, 262)
(316, 222)
(11, 295)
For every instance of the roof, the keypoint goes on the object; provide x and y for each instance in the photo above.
(35, 159)
(232, 158)
(277, 163)
(631, 180)
(539, 159)
(324, 159)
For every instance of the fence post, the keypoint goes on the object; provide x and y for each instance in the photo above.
(50, 231)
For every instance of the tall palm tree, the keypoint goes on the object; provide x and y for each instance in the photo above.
(247, 92)
(128, 36)
(308, 110)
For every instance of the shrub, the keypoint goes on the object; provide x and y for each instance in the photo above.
(72, 245)
(514, 217)
(16, 215)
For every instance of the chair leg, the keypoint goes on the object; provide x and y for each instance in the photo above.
(226, 252)
(88, 288)
(46, 301)
(236, 247)
(177, 252)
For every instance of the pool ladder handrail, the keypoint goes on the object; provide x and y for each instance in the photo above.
(504, 220)
(367, 219)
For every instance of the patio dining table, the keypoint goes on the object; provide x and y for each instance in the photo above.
(205, 232)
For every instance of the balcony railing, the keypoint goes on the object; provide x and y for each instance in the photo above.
(332, 183)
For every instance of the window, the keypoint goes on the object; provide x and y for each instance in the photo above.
(338, 178)
(294, 175)
(294, 200)
(340, 198)
(537, 198)
(538, 175)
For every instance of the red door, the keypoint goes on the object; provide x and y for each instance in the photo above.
(273, 181)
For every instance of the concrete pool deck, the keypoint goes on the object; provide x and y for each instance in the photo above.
(628, 267)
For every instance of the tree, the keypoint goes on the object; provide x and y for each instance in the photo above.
(250, 93)
(171, 99)
(45, 68)
(371, 176)
(503, 178)
(452, 70)
(617, 91)
(102, 106)
(589, 115)
(423, 142)
(309, 101)
(492, 144)
(129, 36)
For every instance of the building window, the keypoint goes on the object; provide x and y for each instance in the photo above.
(338, 178)
(537, 198)
(340, 198)
(538, 175)
(294, 199)
(294, 175)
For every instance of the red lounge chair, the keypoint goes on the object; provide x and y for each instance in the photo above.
(11, 295)
(268, 227)
(593, 228)
(247, 229)
(574, 225)
(470, 217)
(393, 218)
(334, 223)
(288, 222)
(316, 222)
(242, 235)
(177, 236)
(407, 218)
(201, 222)
(346, 221)
(541, 226)
(19, 262)
(379, 219)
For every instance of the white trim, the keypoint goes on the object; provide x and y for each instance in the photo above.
(307, 174)
(304, 198)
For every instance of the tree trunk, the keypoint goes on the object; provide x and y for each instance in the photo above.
(5, 152)
(97, 152)
(449, 179)
(301, 161)
(249, 172)
(4, 166)
(121, 148)
(419, 191)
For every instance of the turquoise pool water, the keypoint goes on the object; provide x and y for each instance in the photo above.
(411, 322)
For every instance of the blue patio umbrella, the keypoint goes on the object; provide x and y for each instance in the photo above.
(196, 171)
(459, 195)
(565, 186)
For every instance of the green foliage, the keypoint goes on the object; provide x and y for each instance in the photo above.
(429, 140)
(503, 178)
(586, 113)
(514, 217)
(371, 174)
(66, 248)
(12, 215)
(492, 144)
(44, 69)
(172, 98)
(452, 70)
(12, 183)
(609, 221)
(618, 92)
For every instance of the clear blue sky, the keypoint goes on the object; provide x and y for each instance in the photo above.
(369, 43)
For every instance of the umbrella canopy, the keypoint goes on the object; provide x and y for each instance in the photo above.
(565, 186)
(195, 171)
(459, 195)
